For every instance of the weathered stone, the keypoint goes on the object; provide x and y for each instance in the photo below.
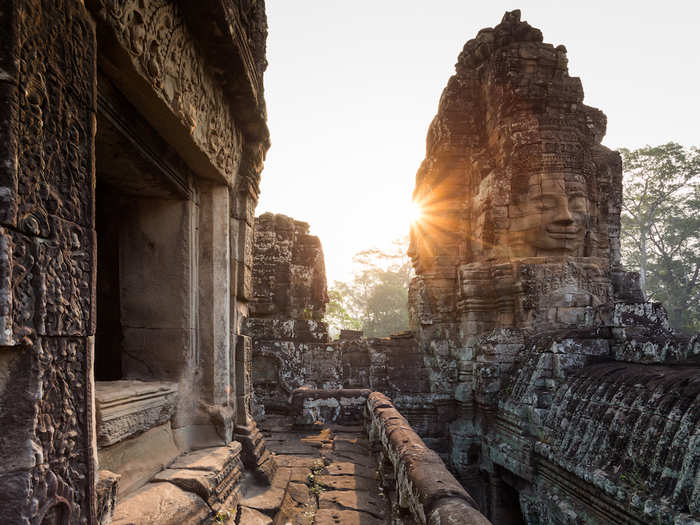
(254, 452)
(125, 408)
(297, 506)
(248, 516)
(346, 500)
(268, 502)
(137, 459)
(161, 504)
(212, 459)
(345, 517)
(106, 492)
(212, 474)
(520, 292)
(124, 193)
(344, 468)
(355, 482)
(289, 276)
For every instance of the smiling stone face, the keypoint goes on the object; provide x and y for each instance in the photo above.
(551, 219)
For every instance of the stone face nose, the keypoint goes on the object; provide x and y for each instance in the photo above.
(563, 215)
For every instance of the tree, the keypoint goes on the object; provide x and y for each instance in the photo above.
(337, 315)
(376, 300)
(661, 227)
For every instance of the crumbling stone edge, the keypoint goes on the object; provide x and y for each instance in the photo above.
(422, 482)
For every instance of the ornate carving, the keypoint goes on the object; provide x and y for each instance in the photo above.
(48, 255)
(62, 427)
(56, 102)
(514, 165)
(163, 51)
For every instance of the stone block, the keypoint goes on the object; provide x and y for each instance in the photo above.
(268, 502)
(106, 496)
(213, 474)
(348, 500)
(125, 408)
(138, 458)
(161, 504)
(346, 517)
(249, 516)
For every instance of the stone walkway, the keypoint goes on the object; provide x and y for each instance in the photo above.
(326, 476)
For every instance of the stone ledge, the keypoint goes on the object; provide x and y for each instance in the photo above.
(125, 408)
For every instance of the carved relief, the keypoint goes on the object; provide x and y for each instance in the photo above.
(63, 419)
(47, 255)
(54, 148)
(552, 219)
(163, 51)
(514, 165)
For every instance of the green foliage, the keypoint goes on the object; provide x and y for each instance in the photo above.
(376, 300)
(661, 227)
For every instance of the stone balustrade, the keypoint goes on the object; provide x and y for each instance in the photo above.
(421, 481)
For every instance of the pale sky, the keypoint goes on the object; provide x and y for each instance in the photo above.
(352, 86)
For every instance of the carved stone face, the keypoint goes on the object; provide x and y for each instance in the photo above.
(552, 219)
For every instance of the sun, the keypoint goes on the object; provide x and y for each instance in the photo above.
(415, 212)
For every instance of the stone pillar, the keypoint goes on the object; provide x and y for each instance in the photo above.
(47, 262)
(245, 197)
(242, 224)
(214, 297)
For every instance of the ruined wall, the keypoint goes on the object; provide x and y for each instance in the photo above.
(289, 274)
(292, 349)
(417, 479)
(520, 294)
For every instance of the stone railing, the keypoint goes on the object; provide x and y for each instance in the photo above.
(344, 406)
(420, 479)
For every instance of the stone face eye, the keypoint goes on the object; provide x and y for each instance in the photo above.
(578, 203)
(545, 203)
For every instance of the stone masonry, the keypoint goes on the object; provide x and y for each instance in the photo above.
(292, 349)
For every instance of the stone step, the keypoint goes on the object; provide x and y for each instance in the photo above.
(196, 487)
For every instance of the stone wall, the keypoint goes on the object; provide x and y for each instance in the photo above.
(47, 262)
(292, 349)
(160, 105)
(343, 406)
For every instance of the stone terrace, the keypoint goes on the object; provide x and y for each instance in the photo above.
(326, 475)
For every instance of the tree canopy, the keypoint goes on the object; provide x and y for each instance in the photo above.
(376, 299)
(661, 227)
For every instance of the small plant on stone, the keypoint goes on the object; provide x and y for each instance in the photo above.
(315, 487)
(223, 516)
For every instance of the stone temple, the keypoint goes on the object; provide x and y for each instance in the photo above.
(163, 354)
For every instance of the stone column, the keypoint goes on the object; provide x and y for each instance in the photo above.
(47, 262)
(245, 197)
(214, 296)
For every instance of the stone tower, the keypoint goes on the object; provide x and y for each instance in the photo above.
(520, 297)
